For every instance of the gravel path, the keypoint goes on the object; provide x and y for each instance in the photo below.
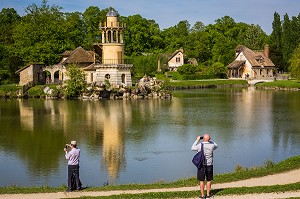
(276, 179)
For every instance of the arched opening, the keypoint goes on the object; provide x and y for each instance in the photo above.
(56, 77)
(123, 78)
(47, 76)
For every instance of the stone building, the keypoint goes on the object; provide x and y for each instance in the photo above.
(111, 67)
(32, 73)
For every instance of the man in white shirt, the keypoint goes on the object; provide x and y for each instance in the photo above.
(73, 166)
(206, 169)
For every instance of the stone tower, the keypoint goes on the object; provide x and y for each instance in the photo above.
(113, 66)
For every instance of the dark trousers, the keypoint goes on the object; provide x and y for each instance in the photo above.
(73, 177)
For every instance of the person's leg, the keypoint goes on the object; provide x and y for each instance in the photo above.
(202, 188)
(76, 175)
(208, 187)
(201, 178)
(70, 175)
(209, 178)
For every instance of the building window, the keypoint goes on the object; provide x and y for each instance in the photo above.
(107, 76)
(123, 78)
(177, 59)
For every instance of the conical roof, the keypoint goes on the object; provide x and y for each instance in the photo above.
(111, 13)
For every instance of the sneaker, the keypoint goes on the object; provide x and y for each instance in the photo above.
(202, 197)
(68, 190)
(209, 197)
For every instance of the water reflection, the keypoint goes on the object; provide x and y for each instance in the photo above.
(121, 139)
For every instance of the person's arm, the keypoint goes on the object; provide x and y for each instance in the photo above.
(215, 144)
(67, 155)
(195, 146)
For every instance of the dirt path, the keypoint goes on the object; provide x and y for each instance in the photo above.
(277, 179)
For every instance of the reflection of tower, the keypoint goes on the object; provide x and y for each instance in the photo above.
(114, 67)
(113, 156)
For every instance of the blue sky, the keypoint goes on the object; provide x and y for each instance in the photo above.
(168, 13)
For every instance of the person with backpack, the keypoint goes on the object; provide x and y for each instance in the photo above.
(205, 171)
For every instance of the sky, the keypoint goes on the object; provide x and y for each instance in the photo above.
(168, 13)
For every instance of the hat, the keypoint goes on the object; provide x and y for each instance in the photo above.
(73, 142)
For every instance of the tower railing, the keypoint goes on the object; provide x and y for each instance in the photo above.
(116, 61)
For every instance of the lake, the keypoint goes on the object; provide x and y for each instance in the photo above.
(144, 141)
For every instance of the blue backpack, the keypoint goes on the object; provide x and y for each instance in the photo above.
(199, 158)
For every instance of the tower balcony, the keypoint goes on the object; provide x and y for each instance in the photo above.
(115, 63)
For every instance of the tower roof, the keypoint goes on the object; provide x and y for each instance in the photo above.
(111, 13)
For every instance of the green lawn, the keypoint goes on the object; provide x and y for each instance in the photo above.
(239, 174)
(281, 84)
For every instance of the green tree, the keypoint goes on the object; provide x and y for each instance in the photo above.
(40, 36)
(276, 42)
(91, 17)
(76, 84)
(255, 37)
(9, 61)
(288, 42)
(75, 29)
(218, 70)
(141, 35)
(144, 65)
(294, 67)
(176, 36)
(187, 69)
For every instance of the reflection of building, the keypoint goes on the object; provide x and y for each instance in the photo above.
(251, 64)
(112, 67)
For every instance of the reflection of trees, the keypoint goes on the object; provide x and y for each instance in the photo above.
(29, 137)
(286, 136)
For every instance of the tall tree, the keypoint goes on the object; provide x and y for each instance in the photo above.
(287, 41)
(294, 67)
(276, 42)
(9, 61)
(255, 37)
(141, 35)
(40, 37)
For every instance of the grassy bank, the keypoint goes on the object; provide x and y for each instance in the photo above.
(9, 90)
(280, 84)
(182, 84)
(239, 174)
(217, 192)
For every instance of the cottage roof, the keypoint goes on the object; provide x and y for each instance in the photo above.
(79, 55)
(23, 68)
(236, 64)
(255, 58)
(175, 53)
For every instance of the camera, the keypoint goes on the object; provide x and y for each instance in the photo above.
(66, 146)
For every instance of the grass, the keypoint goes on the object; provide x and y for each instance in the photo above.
(217, 192)
(9, 90)
(239, 174)
(281, 84)
(206, 83)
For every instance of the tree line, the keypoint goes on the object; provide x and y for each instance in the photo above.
(44, 32)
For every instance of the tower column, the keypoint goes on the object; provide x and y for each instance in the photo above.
(103, 37)
(111, 36)
(121, 37)
(106, 32)
(117, 36)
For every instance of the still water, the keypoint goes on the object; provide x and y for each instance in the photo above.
(143, 141)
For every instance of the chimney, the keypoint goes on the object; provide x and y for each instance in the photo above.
(266, 51)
